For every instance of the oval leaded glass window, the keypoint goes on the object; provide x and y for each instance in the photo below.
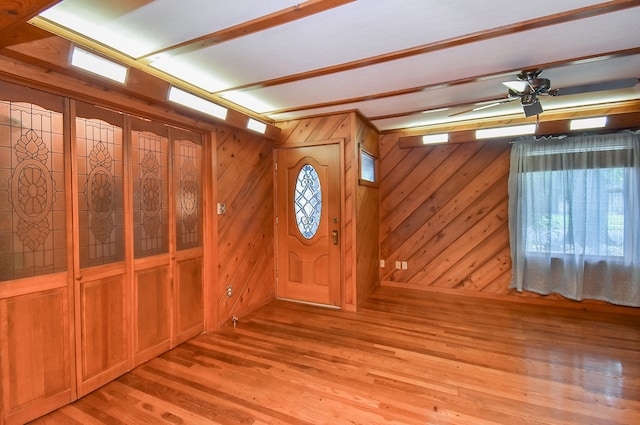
(307, 202)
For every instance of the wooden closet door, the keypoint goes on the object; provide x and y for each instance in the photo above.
(36, 360)
(101, 274)
(168, 238)
(187, 269)
(150, 172)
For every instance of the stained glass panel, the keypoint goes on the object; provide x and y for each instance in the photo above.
(308, 201)
(188, 176)
(150, 162)
(101, 192)
(32, 200)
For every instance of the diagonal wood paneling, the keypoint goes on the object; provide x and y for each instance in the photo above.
(443, 210)
(367, 218)
(245, 232)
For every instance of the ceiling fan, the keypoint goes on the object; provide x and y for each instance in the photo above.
(527, 88)
(530, 85)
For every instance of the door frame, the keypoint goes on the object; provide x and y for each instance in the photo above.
(340, 142)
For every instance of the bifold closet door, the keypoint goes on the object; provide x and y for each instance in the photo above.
(167, 186)
(102, 291)
(188, 301)
(36, 351)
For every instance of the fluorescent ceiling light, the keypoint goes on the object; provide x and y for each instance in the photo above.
(248, 101)
(76, 17)
(585, 123)
(256, 126)
(514, 130)
(205, 79)
(199, 104)
(98, 65)
(435, 138)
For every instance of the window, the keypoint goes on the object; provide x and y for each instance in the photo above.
(308, 201)
(575, 217)
(592, 197)
(368, 169)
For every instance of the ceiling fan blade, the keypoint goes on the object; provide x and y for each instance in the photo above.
(479, 108)
(605, 85)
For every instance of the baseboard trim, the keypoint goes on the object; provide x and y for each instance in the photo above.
(528, 298)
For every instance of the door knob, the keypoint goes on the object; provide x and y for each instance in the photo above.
(335, 237)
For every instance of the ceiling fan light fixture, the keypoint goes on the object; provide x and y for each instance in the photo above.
(517, 86)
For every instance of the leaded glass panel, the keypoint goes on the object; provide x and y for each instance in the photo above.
(32, 200)
(101, 192)
(150, 163)
(188, 176)
(308, 201)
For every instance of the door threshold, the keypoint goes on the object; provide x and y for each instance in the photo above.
(332, 307)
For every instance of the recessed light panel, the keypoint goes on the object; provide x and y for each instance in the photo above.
(514, 130)
(428, 139)
(98, 65)
(587, 123)
(199, 104)
(257, 126)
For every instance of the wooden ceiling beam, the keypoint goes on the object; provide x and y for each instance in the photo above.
(545, 21)
(451, 83)
(262, 23)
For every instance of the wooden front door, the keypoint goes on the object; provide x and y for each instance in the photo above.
(309, 224)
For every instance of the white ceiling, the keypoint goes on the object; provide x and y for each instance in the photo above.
(391, 60)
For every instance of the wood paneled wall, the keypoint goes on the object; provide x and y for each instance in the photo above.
(246, 232)
(367, 218)
(443, 210)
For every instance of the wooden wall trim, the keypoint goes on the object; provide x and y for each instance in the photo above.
(524, 298)
(211, 252)
(621, 115)
(44, 64)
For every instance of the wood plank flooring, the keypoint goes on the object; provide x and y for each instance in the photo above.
(406, 357)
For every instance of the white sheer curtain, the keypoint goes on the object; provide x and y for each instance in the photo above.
(574, 217)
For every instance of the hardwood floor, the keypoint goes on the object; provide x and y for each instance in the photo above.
(405, 358)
